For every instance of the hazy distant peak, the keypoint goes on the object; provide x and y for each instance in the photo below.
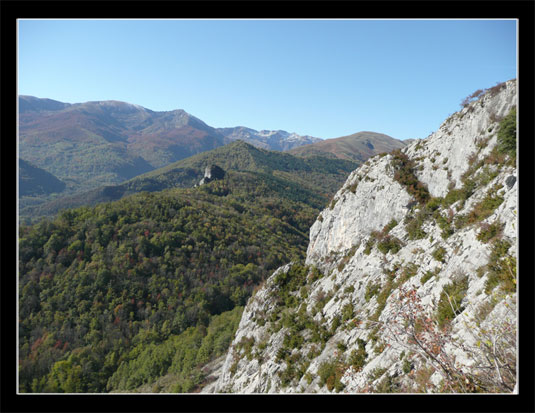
(120, 105)
(34, 104)
(279, 140)
(367, 134)
(267, 133)
(182, 118)
(294, 136)
(110, 106)
(357, 146)
(237, 129)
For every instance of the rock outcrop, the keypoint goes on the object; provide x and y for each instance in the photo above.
(409, 283)
(212, 173)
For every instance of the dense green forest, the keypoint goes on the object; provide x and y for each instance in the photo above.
(114, 296)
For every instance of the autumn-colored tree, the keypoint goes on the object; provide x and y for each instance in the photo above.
(491, 345)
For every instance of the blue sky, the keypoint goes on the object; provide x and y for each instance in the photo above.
(325, 78)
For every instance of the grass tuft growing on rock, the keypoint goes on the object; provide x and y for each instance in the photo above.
(371, 291)
(404, 174)
(451, 298)
(330, 373)
(428, 275)
(483, 209)
(439, 254)
(357, 358)
(507, 136)
(501, 268)
(489, 232)
(389, 244)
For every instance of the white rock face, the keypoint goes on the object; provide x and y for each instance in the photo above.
(457, 139)
(377, 199)
(360, 291)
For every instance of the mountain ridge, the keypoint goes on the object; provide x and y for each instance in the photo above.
(106, 142)
(274, 140)
(357, 146)
(94, 146)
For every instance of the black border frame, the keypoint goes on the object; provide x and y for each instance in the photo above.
(524, 11)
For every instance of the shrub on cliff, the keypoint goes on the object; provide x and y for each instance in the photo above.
(404, 174)
(507, 135)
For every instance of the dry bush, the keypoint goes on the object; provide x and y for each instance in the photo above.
(411, 327)
(470, 98)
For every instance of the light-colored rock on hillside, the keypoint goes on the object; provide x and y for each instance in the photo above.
(396, 294)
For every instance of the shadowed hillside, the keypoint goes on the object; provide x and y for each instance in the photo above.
(37, 181)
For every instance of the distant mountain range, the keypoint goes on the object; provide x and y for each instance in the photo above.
(357, 147)
(273, 140)
(95, 143)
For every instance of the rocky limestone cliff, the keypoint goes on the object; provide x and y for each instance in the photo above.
(409, 283)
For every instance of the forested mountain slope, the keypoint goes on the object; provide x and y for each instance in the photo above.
(409, 283)
(109, 295)
(412, 261)
(36, 181)
(107, 141)
(318, 175)
(356, 147)
(94, 147)
(91, 144)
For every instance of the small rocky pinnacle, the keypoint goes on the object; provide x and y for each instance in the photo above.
(212, 173)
